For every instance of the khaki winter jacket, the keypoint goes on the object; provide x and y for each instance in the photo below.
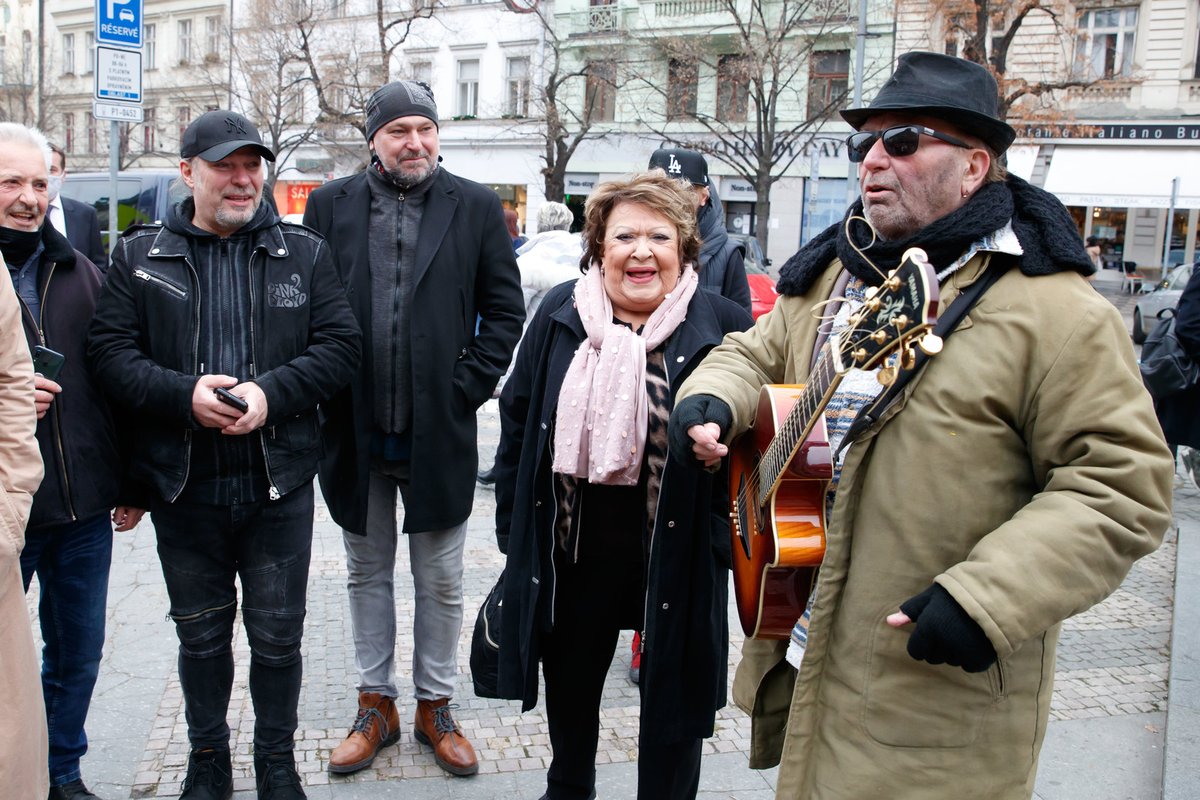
(23, 765)
(1023, 470)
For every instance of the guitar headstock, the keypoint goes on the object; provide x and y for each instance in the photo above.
(898, 315)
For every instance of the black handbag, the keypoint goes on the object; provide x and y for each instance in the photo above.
(485, 643)
(1166, 368)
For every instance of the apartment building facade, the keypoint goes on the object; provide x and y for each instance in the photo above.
(1122, 147)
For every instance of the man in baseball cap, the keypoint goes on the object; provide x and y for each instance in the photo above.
(220, 330)
(722, 267)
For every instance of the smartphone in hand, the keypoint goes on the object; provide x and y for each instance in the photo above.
(48, 363)
(229, 398)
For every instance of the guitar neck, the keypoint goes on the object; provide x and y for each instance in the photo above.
(819, 388)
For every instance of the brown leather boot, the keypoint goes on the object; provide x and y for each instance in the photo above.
(435, 727)
(377, 725)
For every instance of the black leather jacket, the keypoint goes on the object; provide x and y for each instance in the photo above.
(144, 345)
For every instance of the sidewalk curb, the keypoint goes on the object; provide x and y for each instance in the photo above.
(1181, 779)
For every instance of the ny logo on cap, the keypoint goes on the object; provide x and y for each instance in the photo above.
(234, 125)
(674, 168)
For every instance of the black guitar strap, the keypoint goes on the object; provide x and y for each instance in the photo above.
(868, 414)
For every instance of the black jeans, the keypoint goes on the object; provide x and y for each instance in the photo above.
(597, 598)
(268, 545)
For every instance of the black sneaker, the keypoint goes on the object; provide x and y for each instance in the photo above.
(276, 777)
(74, 790)
(209, 776)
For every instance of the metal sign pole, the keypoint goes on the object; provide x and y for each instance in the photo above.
(114, 163)
(1170, 224)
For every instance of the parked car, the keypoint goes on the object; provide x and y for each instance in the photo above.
(758, 275)
(143, 195)
(1164, 295)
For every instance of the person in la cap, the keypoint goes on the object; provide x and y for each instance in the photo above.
(722, 267)
(220, 330)
(423, 254)
(1008, 486)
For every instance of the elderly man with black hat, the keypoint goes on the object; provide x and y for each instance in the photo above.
(423, 254)
(1008, 484)
(722, 260)
(220, 330)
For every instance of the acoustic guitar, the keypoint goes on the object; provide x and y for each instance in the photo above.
(781, 467)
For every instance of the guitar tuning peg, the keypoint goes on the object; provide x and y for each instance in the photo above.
(886, 376)
(892, 283)
(930, 344)
(870, 292)
(908, 358)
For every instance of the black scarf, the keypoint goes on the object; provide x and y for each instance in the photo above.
(1045, 229)
(17, 246)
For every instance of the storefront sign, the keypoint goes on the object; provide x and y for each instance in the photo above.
(581, 184)
(1130, 132)
(737, 190)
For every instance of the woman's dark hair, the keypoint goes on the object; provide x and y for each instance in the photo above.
(653, 190)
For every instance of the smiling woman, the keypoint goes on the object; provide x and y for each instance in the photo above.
(635, 540)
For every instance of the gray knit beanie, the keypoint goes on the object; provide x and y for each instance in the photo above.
(399, 99)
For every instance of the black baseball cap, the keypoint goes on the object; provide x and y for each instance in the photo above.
(216, 134)
(684, 165)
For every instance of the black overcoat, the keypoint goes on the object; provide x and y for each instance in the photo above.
(1179, 414)
(686, 629)
(464, 266)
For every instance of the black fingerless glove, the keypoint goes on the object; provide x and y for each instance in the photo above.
(695, 410)
(944, 633)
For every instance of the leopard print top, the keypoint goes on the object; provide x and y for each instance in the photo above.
(626, 508)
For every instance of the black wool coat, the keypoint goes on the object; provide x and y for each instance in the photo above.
(464, 266)
(686, 628)
(1180, 414)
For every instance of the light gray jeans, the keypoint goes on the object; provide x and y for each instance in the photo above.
(436, 561)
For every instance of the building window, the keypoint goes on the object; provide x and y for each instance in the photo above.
(828, 80)
(183, 117)
(1104, 43)
(422, 72)
(518, 87)
(337, 8)
(149, 137)
(89, 53)
(91, 133)
(293, 96)
(683, 80)
(600, 94)
(27, 48)
(212, 38)
(150, 46)
(68, 53)
(185, 41)
(733, 88)
(68, 143)
(468, 88)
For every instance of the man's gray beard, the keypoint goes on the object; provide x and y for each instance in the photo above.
(236, 219)
(409, 181)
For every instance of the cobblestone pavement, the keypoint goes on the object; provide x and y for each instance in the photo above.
(1112, 662)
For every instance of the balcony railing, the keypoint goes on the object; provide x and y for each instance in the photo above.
(601, 19)
(687, 8)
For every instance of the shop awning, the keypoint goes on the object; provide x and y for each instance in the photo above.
(1124, 177)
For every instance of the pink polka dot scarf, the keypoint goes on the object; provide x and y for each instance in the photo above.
(600, 423)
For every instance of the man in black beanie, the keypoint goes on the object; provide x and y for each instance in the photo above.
(1010, 483)
(68, 542)
(423, 255)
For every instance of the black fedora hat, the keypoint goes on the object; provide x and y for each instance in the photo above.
(954, 89)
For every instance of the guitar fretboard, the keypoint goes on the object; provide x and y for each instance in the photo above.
(822, 381)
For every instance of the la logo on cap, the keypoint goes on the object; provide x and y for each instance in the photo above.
(674, 168)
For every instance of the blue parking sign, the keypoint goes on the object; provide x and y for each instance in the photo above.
(119, 22)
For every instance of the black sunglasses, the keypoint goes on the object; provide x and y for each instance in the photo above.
(900, 141)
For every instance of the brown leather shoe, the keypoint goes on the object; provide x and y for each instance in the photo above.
(436, 727)
(377, 725)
